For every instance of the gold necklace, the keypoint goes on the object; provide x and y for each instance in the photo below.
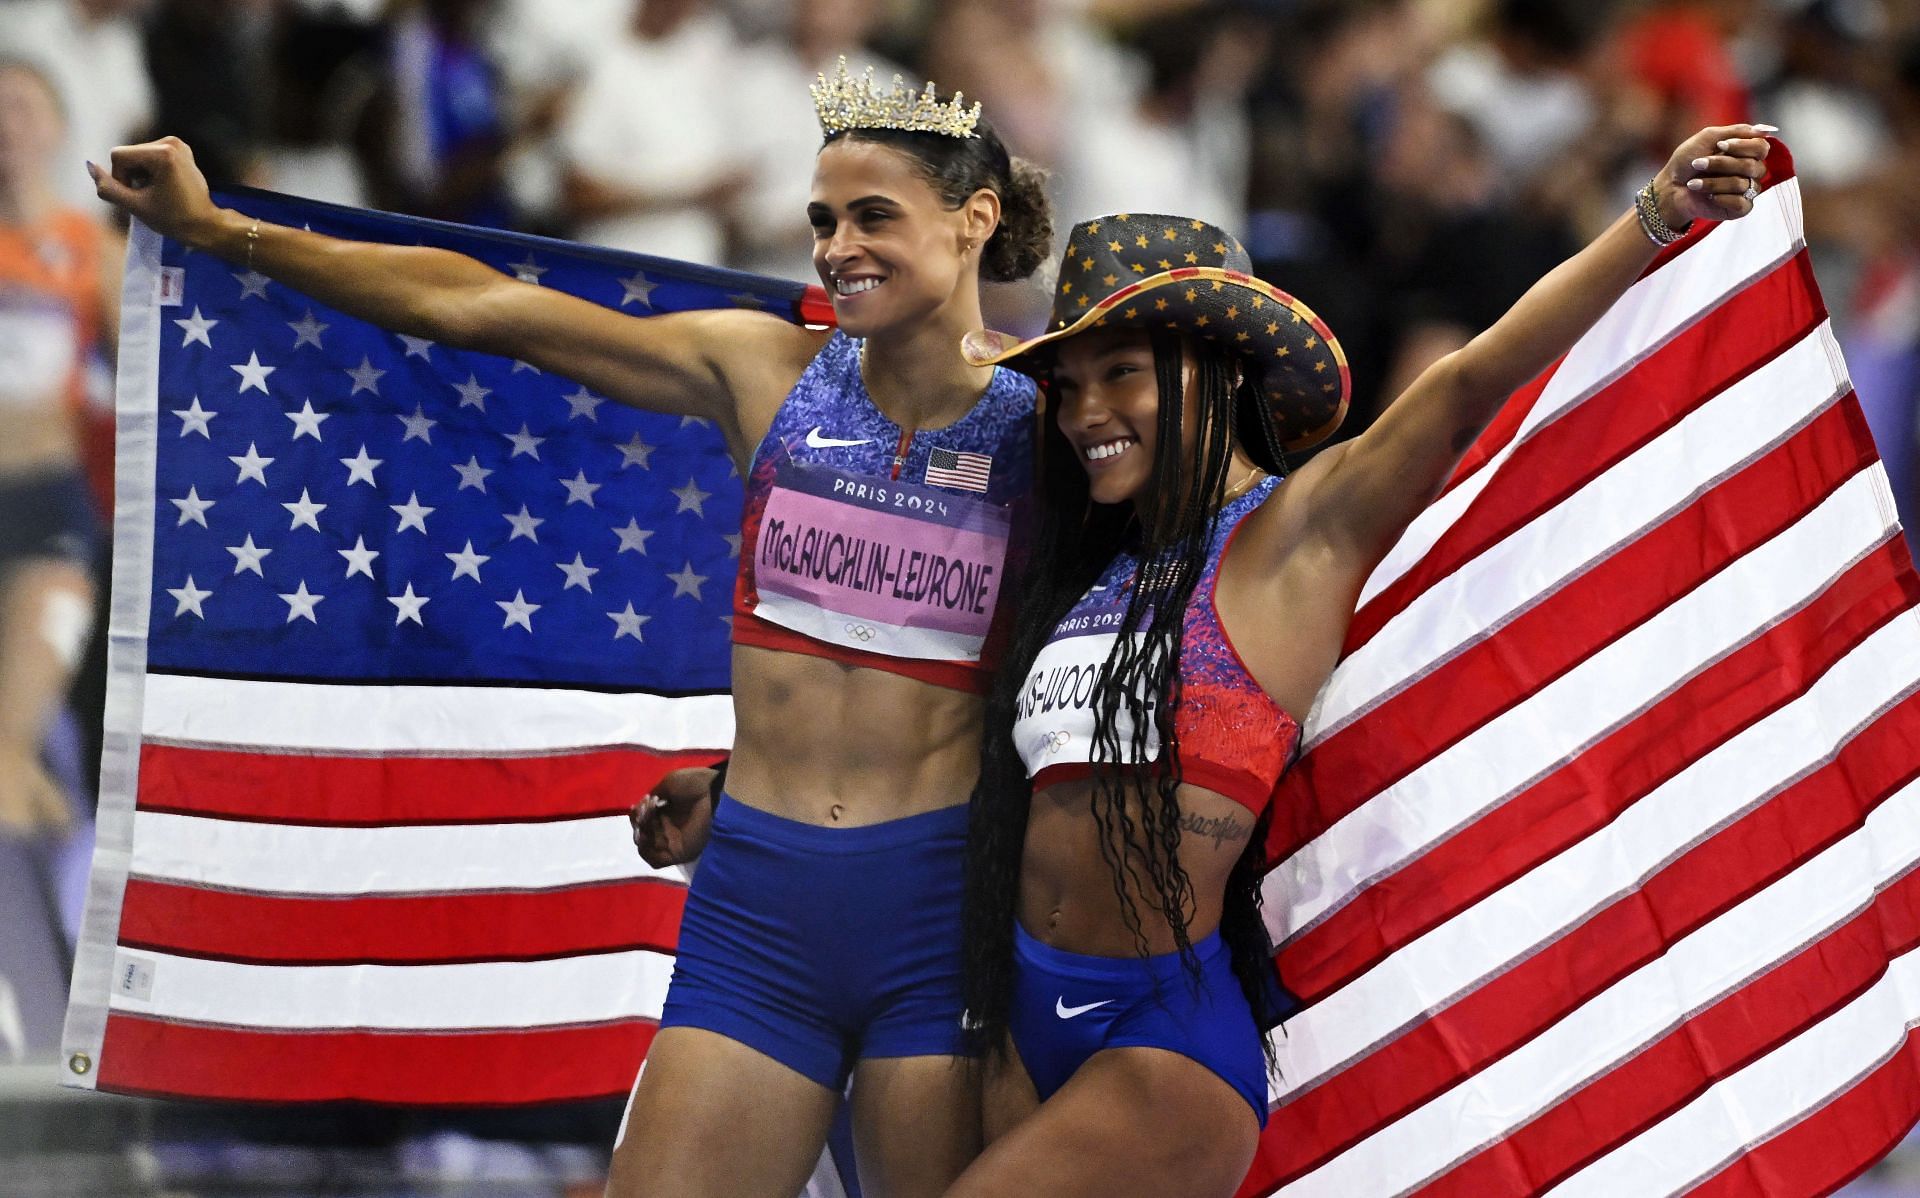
(1240, 488)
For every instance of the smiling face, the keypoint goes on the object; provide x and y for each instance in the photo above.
(885, 246)
(1107, 404)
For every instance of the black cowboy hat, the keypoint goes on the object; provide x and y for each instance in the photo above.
(1133, 270)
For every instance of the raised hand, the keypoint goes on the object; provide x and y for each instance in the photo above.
(158, 182)
(1714, 175)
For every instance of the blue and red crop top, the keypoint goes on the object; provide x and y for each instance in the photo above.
(1234, 739)
(877, 546)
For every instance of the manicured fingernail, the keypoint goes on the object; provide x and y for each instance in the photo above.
(1768, 128)
(93, 172)
(1700, 164)
(1695, 184)
(1724, 143)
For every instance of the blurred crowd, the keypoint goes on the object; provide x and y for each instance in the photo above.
(1408, 167)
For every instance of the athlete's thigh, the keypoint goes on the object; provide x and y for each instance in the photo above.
(712, 1118)
(916, 1123)
(1143, 1122)
(1007, 1096)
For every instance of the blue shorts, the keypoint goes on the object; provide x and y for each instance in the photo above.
(49, 515)
(1067, 1006)
(822, 946)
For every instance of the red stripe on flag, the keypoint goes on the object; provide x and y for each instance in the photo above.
(1588, 614)
(401, 929)
(1506, 425)
(1512, 1007)
(373, 791)
(1747, 331)
(477, 1068)
(1720, 1041)
(1836, 1143)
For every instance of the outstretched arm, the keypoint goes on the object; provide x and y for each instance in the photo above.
(707, 364)
(1362, 495)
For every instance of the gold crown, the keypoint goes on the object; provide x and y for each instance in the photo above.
(845, 102)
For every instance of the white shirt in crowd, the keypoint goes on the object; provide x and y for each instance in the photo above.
(100, 70)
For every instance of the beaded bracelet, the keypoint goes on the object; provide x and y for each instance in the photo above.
(1656, 229)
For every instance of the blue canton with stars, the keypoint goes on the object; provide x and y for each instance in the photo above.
(338, 502)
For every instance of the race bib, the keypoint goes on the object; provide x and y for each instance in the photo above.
(886, 567)
(1054, 712)
(39, 345)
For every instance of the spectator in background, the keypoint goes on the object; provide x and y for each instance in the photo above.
(1677, 55)
(326, 70)
(544, 50)
(91, 51)
(1520, 86)
(651, 138)
(443, 118)
(771, 233)
(206, 61)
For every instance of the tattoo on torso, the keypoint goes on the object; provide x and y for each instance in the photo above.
(1221, 828)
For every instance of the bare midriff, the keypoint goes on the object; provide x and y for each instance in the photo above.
(1067, 896)
(39, 438)
(826, 743)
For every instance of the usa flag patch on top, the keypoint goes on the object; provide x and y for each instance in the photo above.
(965, 471)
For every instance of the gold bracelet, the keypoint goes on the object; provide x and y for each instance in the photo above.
(253, 238)
(1656, 229)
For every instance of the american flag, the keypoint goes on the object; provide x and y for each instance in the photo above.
(1598, 875)
(965, 471)
(399, 633)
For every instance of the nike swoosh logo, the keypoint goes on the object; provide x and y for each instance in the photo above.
(1064, 1011)
(815, 440)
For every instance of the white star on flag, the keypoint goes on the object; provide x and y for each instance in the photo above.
(579, 574)
(525, 442)
(197, 327)
(192, 508)
(253, 374)
(468, 562)
(248, 556)
(360, 468)
(692, 498)
(635, 453)
(306, 421)
(633, 537)
(307, 331)
(733, 543)
(253, 284)
(579, 490)
(359, 558)
(524, 525)
(627, 623)
(686, 582)
(473, 474)
(418, 425)
(188, 598)
(519, 611)
(366, 377)
(305, 511)
(473, 394)
(417, 347)
(252, 466)
(195, 419)
(300, 604)
(528, 271)
(408, 607)
(582, 403)
(637, 290)
(412, 513)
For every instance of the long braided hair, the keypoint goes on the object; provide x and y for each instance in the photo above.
(1136, 807)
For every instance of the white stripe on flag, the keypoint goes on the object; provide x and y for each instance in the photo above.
(304, 859)
(1764, 1098)
(1738, 425)
(1543, 905)
(488, 994)
(1651, 312)
(1696, 971)
(1521, 745)
(345, 718)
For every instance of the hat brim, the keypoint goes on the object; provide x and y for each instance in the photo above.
(1236, 310)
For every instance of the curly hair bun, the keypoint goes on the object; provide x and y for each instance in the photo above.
(1024, 239)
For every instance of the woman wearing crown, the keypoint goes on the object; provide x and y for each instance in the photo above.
(1184, 604)
(820, 937)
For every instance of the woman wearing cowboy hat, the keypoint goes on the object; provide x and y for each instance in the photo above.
(1118, 969)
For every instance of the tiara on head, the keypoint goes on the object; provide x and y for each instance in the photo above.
(845, 102)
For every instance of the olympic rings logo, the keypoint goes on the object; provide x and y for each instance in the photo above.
(1057, 740)
(862, 632)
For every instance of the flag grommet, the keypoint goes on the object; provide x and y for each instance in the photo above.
(80, 1063)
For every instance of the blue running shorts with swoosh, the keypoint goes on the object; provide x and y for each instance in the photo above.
(821, 947)
(1068, 1006)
